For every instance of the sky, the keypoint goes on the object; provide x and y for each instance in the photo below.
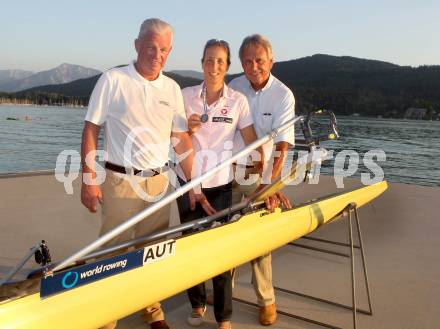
(40, 35)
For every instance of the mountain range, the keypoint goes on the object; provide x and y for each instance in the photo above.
(10, 75)
(350, 85)
(17, 80)
(343, 84)
(189, 73)
(82, 88)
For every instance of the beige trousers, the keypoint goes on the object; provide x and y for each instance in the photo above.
(125, 196)
(261, 266)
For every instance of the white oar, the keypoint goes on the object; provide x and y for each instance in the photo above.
(172, 196)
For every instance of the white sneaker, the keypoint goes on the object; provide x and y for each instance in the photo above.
(195, 319)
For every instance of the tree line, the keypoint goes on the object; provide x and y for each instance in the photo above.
(43, 98)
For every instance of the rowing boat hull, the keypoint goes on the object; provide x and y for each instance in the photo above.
(197, 258)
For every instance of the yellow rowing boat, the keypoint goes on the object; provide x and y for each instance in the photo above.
(91, 295)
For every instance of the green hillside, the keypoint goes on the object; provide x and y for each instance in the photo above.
(352, 85)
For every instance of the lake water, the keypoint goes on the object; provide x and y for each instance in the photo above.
(411, 147)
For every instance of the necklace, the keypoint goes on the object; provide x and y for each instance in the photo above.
(204, 117)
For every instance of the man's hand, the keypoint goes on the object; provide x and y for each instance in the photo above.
(284, 200)
(90, 195)
(194, 123)
(277, 199)
(200, 198)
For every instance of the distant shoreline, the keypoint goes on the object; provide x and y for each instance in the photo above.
(45, 105)
(354, 116)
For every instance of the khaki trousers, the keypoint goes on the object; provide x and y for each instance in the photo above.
(261, 266)
(125, 196)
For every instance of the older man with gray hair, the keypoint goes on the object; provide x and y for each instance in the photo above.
(140, 109)
(272, 104)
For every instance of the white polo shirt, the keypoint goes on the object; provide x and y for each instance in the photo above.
(138, 116)
(271, 107)
(213, 141)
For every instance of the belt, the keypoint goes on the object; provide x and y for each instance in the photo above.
(144, 173)
(243, 166)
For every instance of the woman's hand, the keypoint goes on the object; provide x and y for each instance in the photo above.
(194, 123)
(200, 198)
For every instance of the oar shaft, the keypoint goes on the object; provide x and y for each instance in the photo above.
(197, 223)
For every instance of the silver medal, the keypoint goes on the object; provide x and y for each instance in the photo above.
(204, 118)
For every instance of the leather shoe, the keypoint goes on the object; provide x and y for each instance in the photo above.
(159, 325)
(268, 315)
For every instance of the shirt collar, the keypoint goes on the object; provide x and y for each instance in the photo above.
(226, 91)
(157, 83)
(267, 86)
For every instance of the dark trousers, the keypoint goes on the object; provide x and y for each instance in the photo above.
(220, 198)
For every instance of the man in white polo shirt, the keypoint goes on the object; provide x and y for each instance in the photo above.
(140, 110)
(271, 104)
